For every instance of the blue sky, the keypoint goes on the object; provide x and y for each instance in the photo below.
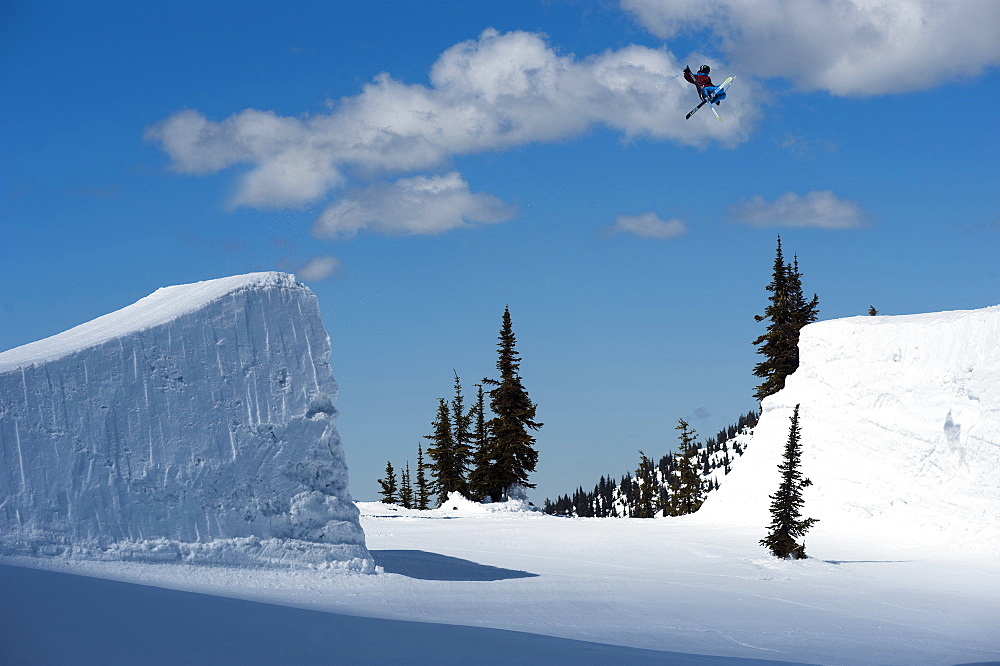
(423, 165)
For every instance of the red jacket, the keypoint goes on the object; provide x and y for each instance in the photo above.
(700, 80)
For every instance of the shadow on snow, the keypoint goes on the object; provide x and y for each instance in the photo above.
(432, 566)
(59, 618)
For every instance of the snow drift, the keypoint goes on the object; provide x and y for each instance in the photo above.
(900, 421)
(195, 424)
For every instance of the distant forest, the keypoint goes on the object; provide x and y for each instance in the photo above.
(623, 499)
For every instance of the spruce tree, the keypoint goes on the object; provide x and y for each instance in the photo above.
(462, 445)
(406, 489)
(423, 490)
(787, 524)
(479, 475)
(510, 448)
(787, 312)
(687, 494)
(647, 501)
(446, 465)
(388, 484)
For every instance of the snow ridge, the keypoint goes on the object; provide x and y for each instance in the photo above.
(195, 425)
(900, 422)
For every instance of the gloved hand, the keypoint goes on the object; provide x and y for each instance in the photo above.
(687, 70)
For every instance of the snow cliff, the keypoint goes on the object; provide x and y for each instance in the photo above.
(194, 425)
(900, 420)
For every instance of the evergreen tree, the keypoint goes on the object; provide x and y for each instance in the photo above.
(688, 493)
(872, 311)
(787, 524)
(446, 465)
(787, 312)
(461, 436)
(509, 447)
(423, 490)
(388, 484)
(406, 489)
(647, 502)
(479, 476)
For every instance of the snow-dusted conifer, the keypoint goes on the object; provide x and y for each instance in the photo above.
(788, 312)
(687, 494)
(388, 484)
(406, 489)
(446, 465)
(787, 524)
(423, 489)
(510, 448)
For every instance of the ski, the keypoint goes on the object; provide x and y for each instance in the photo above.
(692, 111)
(722, 88)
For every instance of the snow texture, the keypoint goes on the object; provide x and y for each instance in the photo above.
(196, 424)
(900, 420)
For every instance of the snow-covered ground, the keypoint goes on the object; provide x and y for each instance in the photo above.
(675, 586)
(900, 421)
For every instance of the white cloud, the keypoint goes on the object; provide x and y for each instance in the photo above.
(319, 268)
(492, 93)
(821, 209)
(420, 205)
(649, 225)
(847, 47)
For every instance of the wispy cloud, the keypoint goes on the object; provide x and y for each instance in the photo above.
(806, 149)
(319, 268)
(420, 205)
(821, 209)
(847, 47)
(488, 94)
(648, 225)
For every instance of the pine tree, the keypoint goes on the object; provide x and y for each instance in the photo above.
(872, 312)
(461, 436)
(388, 484)
(788, 312)
(787, 524)
(423, 490)
(406, 489)
(688, 493)
(479, 476)
(510, 447)
(647, 502)
(446, 465)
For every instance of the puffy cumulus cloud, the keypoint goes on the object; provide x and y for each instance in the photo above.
(319, 268)
(491, 93)
(648, 225)
(847, 47)
(820, 209)
(419, 205)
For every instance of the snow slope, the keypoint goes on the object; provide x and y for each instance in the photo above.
(900, 420)
(695, 593)
(195, 424)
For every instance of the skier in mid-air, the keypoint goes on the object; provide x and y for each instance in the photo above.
(706, 89)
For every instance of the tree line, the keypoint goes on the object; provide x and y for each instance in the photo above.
(486, 459)
(679, 483)
(481, 455)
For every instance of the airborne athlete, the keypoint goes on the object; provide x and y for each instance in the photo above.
(707, 91)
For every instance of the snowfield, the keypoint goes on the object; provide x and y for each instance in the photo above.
(111, 441)
(681, 587)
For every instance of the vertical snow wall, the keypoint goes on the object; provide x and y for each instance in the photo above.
(195, 425)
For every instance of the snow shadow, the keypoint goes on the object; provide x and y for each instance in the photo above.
(433, 566)
(58, 618)
(866, 561)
